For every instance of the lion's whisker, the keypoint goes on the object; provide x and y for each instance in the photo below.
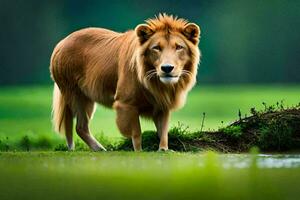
(150, 71)
(187, 73)
(150, 74)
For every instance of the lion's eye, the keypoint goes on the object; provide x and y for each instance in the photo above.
(179, 47)
(156, 48)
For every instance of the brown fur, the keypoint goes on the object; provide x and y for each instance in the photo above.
(123, 71)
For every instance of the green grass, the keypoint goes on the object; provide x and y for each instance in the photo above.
(126, 175)
(26, 111)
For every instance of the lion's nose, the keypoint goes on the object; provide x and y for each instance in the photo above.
(167, 68)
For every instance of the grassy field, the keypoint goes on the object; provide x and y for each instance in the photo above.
(26, 111)
(25, 117)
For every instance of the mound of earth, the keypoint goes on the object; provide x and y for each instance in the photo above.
(274, 130)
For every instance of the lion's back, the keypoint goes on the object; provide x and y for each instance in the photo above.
(87, 59)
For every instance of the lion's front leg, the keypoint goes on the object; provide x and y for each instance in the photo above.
(129, 124)
(161, 120)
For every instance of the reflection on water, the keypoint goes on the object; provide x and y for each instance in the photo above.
(262, 161)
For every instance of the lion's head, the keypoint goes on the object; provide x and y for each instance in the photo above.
(168, 53)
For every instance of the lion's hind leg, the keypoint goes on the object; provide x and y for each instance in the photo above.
(84, 111)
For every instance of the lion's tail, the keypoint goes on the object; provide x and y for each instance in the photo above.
(62, 117)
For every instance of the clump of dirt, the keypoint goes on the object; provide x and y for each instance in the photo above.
(274, 129)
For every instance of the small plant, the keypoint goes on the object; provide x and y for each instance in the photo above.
(275, 135)
(6, 145)
(105, 141)
(281, 105)
(80, 146)
(43, 143)
(265, 106)
(253, 112)
(25, 143)
(61, 147)
(2, 146)
(234, 131)
(202, 124)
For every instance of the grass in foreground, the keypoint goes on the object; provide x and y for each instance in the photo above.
(125, 175)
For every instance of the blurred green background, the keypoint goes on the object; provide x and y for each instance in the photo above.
(242, 41)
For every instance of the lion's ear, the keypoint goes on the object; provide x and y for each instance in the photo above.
(144, 32)
(192, 32)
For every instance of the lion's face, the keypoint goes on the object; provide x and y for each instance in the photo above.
(168, 53)
(167, 57)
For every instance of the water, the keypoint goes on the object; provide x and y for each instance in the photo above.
(260, 160)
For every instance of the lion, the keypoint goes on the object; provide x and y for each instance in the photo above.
(145, 72)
